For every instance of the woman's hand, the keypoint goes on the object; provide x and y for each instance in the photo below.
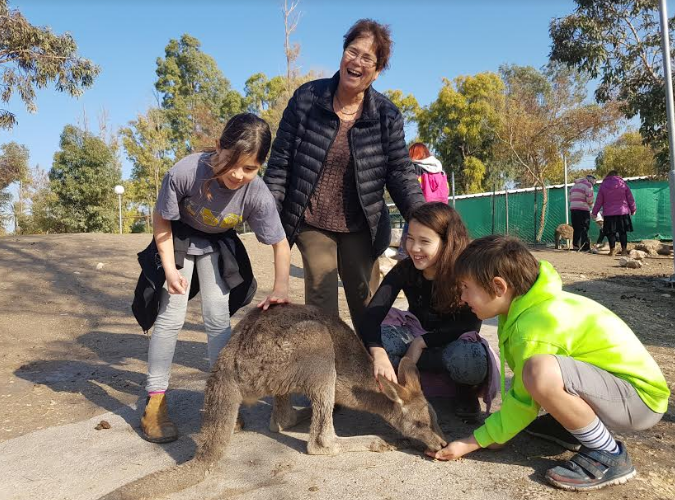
(276, 297)
(415, 349)
(176, 283)
(382, 367)
(456, 449)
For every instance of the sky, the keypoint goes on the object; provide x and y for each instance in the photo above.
(433, 39)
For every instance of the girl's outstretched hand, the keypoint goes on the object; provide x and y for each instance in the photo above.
(274, 298)
(382, 367)
(456, 449)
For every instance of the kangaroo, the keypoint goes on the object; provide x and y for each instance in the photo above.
(563, 232)
(296, 349)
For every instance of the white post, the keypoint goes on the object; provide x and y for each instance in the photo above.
(119, 190)
(567, 204)
(453, 188)
(665, 49)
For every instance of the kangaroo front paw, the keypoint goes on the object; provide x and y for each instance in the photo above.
(380, 446)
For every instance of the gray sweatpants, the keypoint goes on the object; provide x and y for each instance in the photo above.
(172, 309)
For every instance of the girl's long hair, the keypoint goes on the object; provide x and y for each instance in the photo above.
(244, 134)
(446, 222)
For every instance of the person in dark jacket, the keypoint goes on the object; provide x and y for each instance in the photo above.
(436, 236)
(210, 192)
(339, 144)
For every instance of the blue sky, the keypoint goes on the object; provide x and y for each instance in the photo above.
(433, 39)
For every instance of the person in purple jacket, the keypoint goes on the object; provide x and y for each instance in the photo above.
(617, 204)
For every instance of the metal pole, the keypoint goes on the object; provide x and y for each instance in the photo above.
(567, 205)
(452, 174)
(119, 197)
(665, 48)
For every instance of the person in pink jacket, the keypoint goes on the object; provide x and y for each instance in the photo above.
(617, 204)
(581, 202)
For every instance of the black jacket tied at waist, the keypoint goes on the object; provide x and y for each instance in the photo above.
(234, 266)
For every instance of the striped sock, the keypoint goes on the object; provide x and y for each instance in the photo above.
(595, 436)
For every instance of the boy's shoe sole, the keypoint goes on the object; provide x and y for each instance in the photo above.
(592, 469)
(623, 479)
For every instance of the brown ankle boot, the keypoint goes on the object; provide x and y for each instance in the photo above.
(611, 252)
(155, 424)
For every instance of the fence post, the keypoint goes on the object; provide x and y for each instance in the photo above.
(452, 174)
(494, 193)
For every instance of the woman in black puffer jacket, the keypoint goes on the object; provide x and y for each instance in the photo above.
(339, 144)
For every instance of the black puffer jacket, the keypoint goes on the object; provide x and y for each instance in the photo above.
(306, 132)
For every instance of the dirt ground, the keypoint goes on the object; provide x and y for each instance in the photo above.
(71, 354)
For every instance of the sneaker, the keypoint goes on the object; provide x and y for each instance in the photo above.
(547, 427)
(592, 470)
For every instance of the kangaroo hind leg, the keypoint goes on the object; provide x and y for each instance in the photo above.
(284, 416)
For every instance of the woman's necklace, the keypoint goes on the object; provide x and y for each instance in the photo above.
(342, 107)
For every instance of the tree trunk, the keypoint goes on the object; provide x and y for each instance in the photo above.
(542, 216)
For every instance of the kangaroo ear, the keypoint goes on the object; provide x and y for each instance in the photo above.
(392, 390)
(408, 375)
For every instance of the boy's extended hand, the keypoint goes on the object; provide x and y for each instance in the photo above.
(456, 449)
(276, 297)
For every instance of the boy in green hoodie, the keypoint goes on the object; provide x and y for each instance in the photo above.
(568, 354)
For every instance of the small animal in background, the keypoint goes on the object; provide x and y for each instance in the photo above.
(564, 232)
(296, 349)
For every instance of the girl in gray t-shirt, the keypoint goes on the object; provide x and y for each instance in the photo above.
(212, 192)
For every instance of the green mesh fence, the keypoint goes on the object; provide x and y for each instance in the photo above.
(652, 220)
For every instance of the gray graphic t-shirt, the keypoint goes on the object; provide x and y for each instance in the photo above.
(182, 197)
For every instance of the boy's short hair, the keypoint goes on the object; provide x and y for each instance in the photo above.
(498, 256)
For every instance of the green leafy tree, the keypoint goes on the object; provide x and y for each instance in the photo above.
(545, 116)
(628, 156)
(32, 57)
(618, 41)
(196, 97)
(459, 126)
(276, 104)
(262, 92)
(13, 168)
(13, 163)
(83, 176)
(147, 143)
(37, 217)
(407, 104)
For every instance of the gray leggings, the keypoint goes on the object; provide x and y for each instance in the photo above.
(172, 309)
(466, 362)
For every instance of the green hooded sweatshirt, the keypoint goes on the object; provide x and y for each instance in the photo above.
(547, 320)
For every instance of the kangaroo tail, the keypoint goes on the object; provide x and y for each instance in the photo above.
(162, 482)
(221, 407)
